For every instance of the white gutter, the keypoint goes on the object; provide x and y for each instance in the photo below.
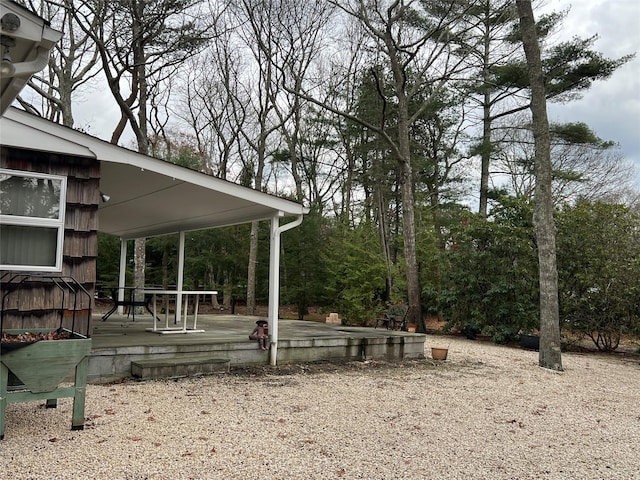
(274, 281)
(26, 42)
(26, 69)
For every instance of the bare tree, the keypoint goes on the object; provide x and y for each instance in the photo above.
(584, 167)
(300, 26)
(411, 39)
(550, 354)
(217, 100)
(260, 37)
(140, 42)
(71, 66)
(281, 36)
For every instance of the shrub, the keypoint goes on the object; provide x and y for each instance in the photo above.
(490, 282)
(599, 266)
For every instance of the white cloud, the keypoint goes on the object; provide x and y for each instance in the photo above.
(611, 107)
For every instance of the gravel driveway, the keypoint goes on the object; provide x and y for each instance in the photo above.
(488, 412)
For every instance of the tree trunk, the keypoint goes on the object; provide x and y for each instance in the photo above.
(406, 190)
(140, 63)
(251, 270)
(485, 151)
(383, 230)
(408, 212)
(139, 264)
(411, 258)
(485, 155)
(550, 354)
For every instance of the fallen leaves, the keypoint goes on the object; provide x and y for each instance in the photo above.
(514, 421)
(30, 337)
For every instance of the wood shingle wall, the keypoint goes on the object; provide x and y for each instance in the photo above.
(37, 304)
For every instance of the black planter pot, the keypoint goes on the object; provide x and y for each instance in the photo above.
(530, 342)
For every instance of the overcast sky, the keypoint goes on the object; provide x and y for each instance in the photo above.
(612, 107)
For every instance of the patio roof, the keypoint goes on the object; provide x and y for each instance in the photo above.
(148, 197)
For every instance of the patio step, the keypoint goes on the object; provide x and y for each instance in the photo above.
(178, 367)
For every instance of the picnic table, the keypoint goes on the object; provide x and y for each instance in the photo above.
(180, 295)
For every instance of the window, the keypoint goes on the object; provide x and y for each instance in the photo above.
(32, 209)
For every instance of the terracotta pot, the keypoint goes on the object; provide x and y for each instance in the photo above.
(439, 353)
(411, 328)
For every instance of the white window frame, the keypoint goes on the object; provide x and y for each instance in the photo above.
(57, 223)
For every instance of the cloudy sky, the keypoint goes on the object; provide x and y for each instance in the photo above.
(612, 107)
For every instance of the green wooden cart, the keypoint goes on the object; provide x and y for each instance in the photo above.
(44, 369)
(41, 367)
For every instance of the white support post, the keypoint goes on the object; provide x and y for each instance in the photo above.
(122, 278)
(274, 281)
(180, 279)
(274, 288)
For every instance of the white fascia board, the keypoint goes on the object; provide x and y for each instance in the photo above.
(19, 135)
(107, 152)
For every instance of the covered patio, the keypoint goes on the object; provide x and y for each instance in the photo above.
(143, 197)
(120, 343)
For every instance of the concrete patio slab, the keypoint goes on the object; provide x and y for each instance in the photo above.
(119, 341)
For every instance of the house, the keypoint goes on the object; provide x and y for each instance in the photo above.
(53, 185)
(147, 197)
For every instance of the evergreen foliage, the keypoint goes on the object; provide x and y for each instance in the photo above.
(373, 114)
(356, 272)
(599, 267)
(490, 282)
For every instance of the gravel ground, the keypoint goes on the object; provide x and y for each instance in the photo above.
(488, 412)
